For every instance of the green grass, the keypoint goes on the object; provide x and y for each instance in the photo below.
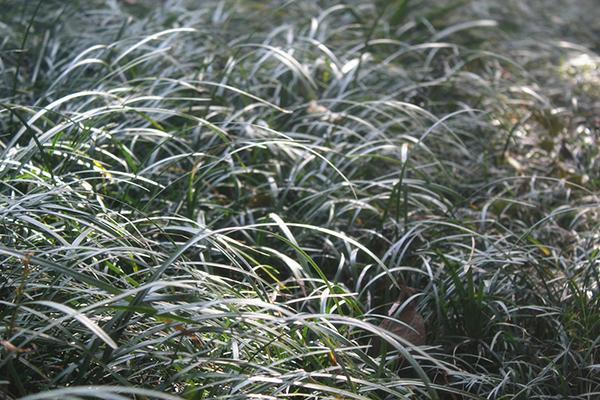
(224, 199)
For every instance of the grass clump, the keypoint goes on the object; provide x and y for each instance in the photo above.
(226, 199)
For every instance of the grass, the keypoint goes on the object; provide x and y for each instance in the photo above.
(224, 199)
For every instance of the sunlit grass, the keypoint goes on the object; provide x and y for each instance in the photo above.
(226, 199)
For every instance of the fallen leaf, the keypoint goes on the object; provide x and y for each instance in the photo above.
(409, 324)
(11, 348)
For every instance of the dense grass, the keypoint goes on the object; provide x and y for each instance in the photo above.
(224, 199)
